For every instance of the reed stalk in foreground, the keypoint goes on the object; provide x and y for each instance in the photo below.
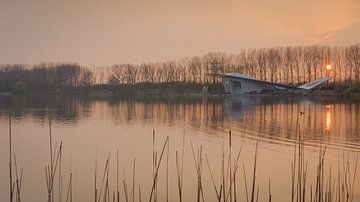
(245, 181)
(139, 193)
(254, 174)
(60, 178)
(126, 193)
(104, 182)
(167, 173)
(10, 161)
(117, 177)
(51, 170)
(354, 177)
(69, 192)
(217, 191)
(157, 169)
(18, 181)
(270, 191)
(15, 184)
(233, 180)
(226, 191)
(198, 166)
(230, 169)
(95, 184)
(154, 163)
(180, 169)
(327, 187)
(252, 193)
(133, 182)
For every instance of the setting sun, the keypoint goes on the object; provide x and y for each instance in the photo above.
(328, 67)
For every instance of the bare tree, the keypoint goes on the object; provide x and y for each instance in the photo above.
(274, 59)
(87, 78)
(126, 74)
(353, 60)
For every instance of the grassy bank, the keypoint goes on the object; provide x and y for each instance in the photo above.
(162, 89)
(169, 90)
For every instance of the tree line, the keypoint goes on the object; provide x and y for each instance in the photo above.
(44, 76)
(287, 65)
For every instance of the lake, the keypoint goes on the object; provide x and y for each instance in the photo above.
(121, 130)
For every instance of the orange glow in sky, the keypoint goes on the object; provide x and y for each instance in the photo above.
(328, 67)
(93, 32)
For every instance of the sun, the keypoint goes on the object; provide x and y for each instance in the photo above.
(328, 67)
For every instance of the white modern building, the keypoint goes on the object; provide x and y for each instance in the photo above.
(235, 83)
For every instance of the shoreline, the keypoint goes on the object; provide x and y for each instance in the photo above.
(170, 93)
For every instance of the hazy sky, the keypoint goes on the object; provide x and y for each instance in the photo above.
(104, 32)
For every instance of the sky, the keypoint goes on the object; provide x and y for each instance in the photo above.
(107, 32)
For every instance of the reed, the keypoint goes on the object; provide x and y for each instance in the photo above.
(198, 166)
(69, 191)
(140, 193)
(330, 185)
(117, 177)
(270, 197)
(95, 184)
(51, 169)
(245, 181)
(180, 168)
(230, 170)
(18, 181)
(226, 190)
(60, 178)
(10, 162)
(14, 183)
(354, 177)
(107, 188)
(254, 175)
(133, 181)
(157, 168)
(233, 179)
(223, 171)
(154, 158)
(167, 172)
(217, 191)
(104, 180)
(126, 193)
(328, 189)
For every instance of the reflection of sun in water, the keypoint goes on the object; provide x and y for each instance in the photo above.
(328, 118)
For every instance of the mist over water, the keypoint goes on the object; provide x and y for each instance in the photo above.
(88, 126)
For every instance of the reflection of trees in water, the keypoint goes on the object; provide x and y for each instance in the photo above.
(194, 112)
(64, 110)
(269, 116)
(273, 117)
(276, 117)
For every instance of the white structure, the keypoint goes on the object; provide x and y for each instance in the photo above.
(235, 83)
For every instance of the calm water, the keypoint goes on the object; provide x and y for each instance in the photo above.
(90, 127)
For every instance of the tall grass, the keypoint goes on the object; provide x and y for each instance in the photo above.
(327, 186)
(10, 161)
(340, 188)
(14, 183)
(198, 165)
(51, 169)
(156, 171)
(180, 169)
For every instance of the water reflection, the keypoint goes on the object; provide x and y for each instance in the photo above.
(271, 117)
(126, 123)
(63, 109)
(328, 118)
